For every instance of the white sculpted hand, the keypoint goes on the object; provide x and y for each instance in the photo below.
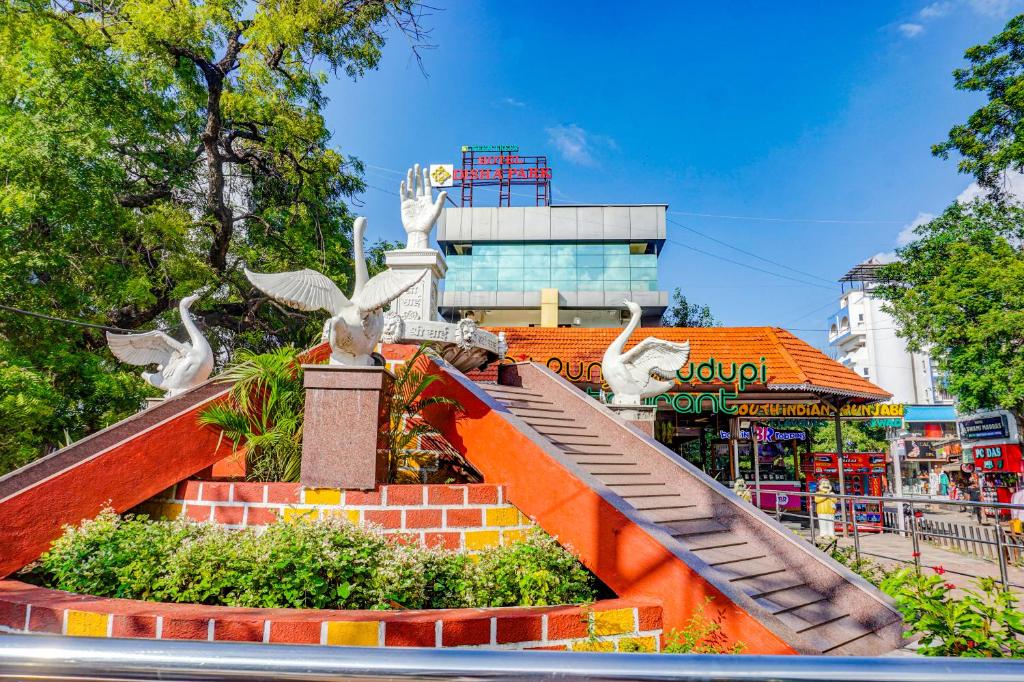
(419, 210)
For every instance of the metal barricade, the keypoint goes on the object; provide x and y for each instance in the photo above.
(82, 659)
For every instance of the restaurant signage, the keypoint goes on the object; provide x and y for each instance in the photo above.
(767, 434)
(983, 428)
(883, 410)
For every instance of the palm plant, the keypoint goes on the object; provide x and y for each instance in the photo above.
(407, 429)
(264, 410)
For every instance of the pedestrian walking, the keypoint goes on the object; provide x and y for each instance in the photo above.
(974, 495)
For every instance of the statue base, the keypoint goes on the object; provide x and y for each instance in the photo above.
(343, 444)
(640, 416)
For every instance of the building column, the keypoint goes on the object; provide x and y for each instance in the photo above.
(549, 307)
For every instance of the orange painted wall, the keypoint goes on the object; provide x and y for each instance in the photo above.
(618, 551)
(122, 476)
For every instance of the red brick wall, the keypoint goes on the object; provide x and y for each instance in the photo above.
(605, 625)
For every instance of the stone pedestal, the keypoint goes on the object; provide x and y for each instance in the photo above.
(420, 302)
(342, 441)
(641, 416)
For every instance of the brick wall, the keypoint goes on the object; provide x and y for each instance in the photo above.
(604, 626)
(466, 517)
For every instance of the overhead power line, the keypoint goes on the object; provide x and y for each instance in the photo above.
(747, 265)
(76, 323)
(748, 253)
(824, 221)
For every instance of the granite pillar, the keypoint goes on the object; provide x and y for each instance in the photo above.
(343, 442)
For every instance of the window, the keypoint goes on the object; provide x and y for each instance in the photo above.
(860, 318)
(867, 373)
(833, 332)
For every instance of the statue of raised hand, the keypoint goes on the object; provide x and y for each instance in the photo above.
(419, 209)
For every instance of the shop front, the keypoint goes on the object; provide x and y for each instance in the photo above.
(992, 449)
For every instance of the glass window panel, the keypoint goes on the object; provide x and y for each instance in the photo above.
(484, 286)
(590, 274)
(644, 261)
(510, 249)
(590, 249)
(617, 273)
(643, 286)
(563, 260)
(510, 275)
(510, 261)
(563, 274)
(484, 262)
(516, 285)
(537, 249)
(485, 274)
(536, 283)
(645, 275)
(589, 261)
(616, 260)
(617, 285)
(590, 285)
(537, 261)
(485, 249)
(564, 284)
(563, 249)
(616, 249)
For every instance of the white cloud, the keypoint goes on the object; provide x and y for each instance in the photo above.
(578, 145)
(883, 258)
(1012, 183)
(513, 102)
(907, 235)
(910, 30)
(935, 10)
(990, 8)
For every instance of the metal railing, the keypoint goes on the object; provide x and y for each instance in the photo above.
(908, 511)
(82, 659)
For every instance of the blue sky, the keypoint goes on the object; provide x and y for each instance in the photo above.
(808, 124)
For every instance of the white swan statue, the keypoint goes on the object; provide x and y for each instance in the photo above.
(180, 365)
(645, 370)
(356, 324)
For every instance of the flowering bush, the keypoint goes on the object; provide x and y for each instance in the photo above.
(301, 564)
(985, 622)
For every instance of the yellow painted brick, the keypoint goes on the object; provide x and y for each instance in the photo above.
(509, 516)
(587, 645)
(511, 536)
(346, 633)
(323, 496)
(86, 624)
(614, 622)
(480, 539)
(638, 644)
(291, 514)
(350, 515)
(171, 510)
(524, 520)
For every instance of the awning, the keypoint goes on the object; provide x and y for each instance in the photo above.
(929, 413)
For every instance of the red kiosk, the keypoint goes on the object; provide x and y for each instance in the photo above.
(864, 473)
(991, 441)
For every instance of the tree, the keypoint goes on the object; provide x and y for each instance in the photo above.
(958, 292)
(150, 148)
(682, 313)
(992, 140)
(857, 437)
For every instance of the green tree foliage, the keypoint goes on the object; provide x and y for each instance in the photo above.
(958, 291)
(857, 437)
(992, 140)
(682, 313)
(149, 148)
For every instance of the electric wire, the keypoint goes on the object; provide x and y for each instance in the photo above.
(19, 311)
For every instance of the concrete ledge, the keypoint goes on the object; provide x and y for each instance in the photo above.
(605, 625)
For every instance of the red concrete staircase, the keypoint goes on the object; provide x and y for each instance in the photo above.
(648, 523)
(120, 466)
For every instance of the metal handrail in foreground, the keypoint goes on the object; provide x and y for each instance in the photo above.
(41, 657)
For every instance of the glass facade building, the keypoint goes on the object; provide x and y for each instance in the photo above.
(587, 258)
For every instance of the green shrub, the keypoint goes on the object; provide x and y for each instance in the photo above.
(301, 564)
(985, 622)
(534, 572)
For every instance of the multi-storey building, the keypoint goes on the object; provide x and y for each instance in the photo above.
(552, 265)
(863, 337)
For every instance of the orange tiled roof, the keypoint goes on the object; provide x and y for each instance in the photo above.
(792, 364)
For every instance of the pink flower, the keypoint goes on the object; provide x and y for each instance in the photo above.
(939, 570)
(950, 586)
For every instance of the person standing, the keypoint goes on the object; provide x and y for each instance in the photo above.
(825, 509)
(974, 495)
(933, 482)
(944, 484)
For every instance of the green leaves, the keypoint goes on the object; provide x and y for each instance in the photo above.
(301, 564)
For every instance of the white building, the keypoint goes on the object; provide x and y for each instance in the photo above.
(863, 337)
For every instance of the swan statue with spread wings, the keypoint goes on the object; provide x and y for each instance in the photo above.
(645, 370)
(181, 365)
(356, 324)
